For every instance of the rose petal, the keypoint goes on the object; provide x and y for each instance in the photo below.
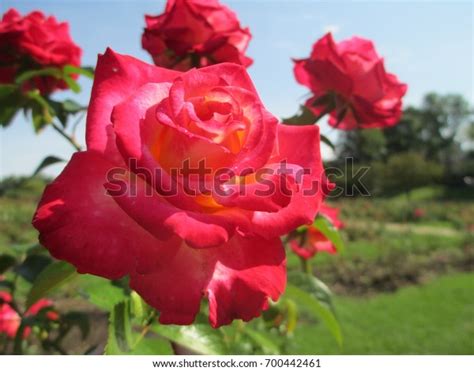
(79, 223)
(237, 277)
(116, 76)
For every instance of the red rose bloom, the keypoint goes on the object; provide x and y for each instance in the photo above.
(315, 241)
(10, 320)
(34, 42)
(195, 33)
(111, 212)
(349, 81)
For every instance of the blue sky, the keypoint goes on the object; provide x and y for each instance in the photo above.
(429, 45)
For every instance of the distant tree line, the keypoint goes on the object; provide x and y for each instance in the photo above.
(433, 143)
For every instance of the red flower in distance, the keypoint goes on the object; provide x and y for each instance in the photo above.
(315, 241)
(111, 212)
(418, 213)
(10, 320)
(195, 33)
(34, 42)
(349, 81)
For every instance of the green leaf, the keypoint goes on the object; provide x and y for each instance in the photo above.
(331, 233)
(50, 71)
(120, 334)
(101, 292)
(47, 161)
(200, 338)
(7, 89)
(11, 101)
(41, 110)
(84, 71)
(53, 276)
(72, 84)
(312, 285)
(317, 309)
(303, 117)
(262, 340)
(32, 266)
(327, 141)
(291, 314)
(65, 108)
(6, 262)
(71, 106)
(138, 306)
(152, 347)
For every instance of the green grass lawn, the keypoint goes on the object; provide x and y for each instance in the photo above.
(437, 318)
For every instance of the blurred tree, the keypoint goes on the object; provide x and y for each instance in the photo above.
(407, 134)
(442, 117)
(432, 130)
(405, 171)
(363, 145)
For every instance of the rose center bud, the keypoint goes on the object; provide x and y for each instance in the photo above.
(221, 121)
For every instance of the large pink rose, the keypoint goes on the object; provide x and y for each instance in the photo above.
(33, 42)
(195, 33)
(349, 80)
(132, 203)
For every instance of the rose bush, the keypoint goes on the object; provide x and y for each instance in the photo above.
(195, 33)
(111, 213)
(314, 240)
(348, 80)
(33, 42)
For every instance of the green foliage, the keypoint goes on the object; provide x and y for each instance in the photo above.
(199, 337)
(100, 291)
(304, 117)
(51, 278)
(311, 295)
(47, 161)
(10, 100)
(120, 332)
(32, 266)
(363, 146)
(405, 171)
(43, 110)
(331, 233)
(6, 262)
(437, 132)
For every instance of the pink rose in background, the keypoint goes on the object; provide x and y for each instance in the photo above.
(32, 42)
(348, 80)
(315, 241)
(195, 33)
(10, 320)
(110, 212)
